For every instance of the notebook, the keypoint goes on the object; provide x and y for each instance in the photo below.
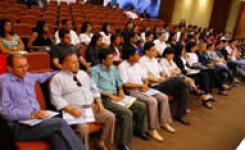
(127, 102)
(151, 92)
(33, 122)
(86, 117)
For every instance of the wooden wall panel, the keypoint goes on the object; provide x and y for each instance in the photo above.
(166, 10)
(240, 26)
(220, 14)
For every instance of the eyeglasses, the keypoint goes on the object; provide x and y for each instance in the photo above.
(22, 66)
(76, 80)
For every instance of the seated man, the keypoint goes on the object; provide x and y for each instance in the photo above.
(108, 81)
(174, 86)
(18, 102)
(67, 24)
(134, 79)
(63, 48)
(72, 89)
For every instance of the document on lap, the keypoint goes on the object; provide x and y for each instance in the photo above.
(193, 71)
(127, 102)
(86, 117)
(33, 122)
(151, 92)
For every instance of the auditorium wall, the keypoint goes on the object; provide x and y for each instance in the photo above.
(197, 12)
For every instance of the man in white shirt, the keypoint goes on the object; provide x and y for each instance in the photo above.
(67, 24)
(174, 86)
(134, 79)
(72, 90)
(160, 43)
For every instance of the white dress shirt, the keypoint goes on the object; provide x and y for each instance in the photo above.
(74, 38)
(85, 38)
(151, 66)
(64, 90)
(168, 67)
(160, 46)
(106, 38)
(131, 73)
(193, 58)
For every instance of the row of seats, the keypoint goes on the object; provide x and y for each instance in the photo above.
(25, 19)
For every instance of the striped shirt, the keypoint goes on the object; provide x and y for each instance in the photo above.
(18, 97)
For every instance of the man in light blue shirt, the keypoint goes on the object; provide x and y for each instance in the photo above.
(109, 82)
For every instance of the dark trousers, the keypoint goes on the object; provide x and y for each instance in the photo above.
(125, 117)
(6, 136)
(177, 88)
(203, 80)
(55, 130)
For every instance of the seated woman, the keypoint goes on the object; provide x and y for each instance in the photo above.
(41, 38)
(9, 41)
(171, 70)
(86, 33)
(93, 49)
(106, 34)
(116, 46)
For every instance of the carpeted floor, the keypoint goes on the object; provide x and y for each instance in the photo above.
(219, 129)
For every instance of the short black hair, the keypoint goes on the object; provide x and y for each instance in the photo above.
(132, 34)
(161, 33)
(63, 32)
(104, 52)
(64, 21)
(168, 50)
(85, 26)
(232, 40)
(148, 33)
(63, 58)
(210, 45)
(129, 51)
(191, 45)
(10, 59)
(148, 46)
(115, 36)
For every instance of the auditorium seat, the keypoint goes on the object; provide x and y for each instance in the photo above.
(39, 62)
(23, 29)
(3, 63)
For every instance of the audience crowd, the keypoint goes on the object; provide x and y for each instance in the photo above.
(157, 66)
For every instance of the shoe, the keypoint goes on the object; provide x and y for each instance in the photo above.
(123, 147)
(235, 84)
(156, 136)
(184, 121)
(143, 136)
(199, 92)
(223, 93)
(226, 87)
(207, 104)
(236, 80)
(168, 128)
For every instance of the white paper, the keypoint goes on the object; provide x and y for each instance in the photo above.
(193, 71)
(127, 101)
(86, 117)
(151, 92)
(33, 122)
